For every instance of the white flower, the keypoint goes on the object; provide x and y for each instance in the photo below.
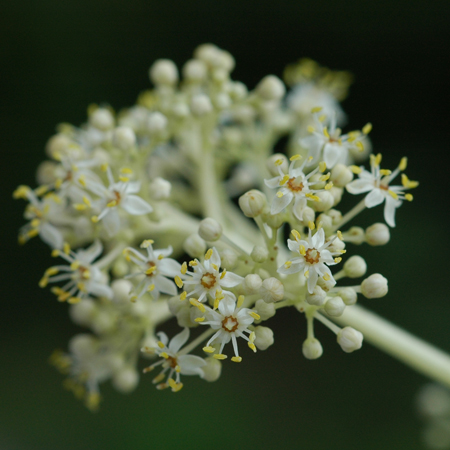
(174, 361)
(119, 194)
(154, 268)
(293, 185)
(313, 260)
(207, 278)
(231, 322)
(376, 183)
(328, 139)
(83, 278)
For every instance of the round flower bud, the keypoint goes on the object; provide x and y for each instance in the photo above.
(194, 71)
(103, 322)
(212, 370)
(201, 104)
(271, 88)
(264, 337)
(272, 290)
(226, 60)
(336, 193)
(82, 312)
(356, 235)
(244, 114)
(157, 123)
(210, 230)
(163, 71)
(336, 216)
(126, 379)
(229, 258)
(101, 156)
(194, 246)
(312, 348)
(209, 53)
(259, 254)
(349, 339)
(46, 172)
(222, 101)
(265, 310)
(237, 90)
(341, 175)
(375, 286)
(120, 267)
(83, 345)
(121, 290)
(317, 297)
(57, 144)
(355, 267)
(326, 201)
(378, 234)
(175, 304)
(184, 317)
(334, 306)
(325, 220)
(272, 166)
(102, 119)
(308, 215)
(160, 188)
(349, 296)
(252, 203)
(252, 283)
(124, 138)
(275, 220)
(181, 110)
(326, 285)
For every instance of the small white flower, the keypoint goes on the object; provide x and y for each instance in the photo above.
(293, 185)
(83, 277)
(207, 278)
(313, 260)
(174, 361)
(376, 183)
(154, 267)
(231, 322)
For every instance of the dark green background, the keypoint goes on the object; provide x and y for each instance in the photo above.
(58, 57)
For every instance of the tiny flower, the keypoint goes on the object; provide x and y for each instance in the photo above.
(376, 183)
(314, 258)
(154, 267)
(174, 361)
(83, 278)
(231, 322)
(207, 278)
(293, 185)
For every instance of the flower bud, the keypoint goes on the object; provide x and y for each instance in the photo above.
(378, 234)
(356, 235)
(120, 267)
(237, 90)
(229, 258)
(272, 290)
(336, 216)
(175, 304)
(341, 175)
(46, 172)
(336, 246)
(157, 123)
(264, 337)
(334, 306)
(201, 104)
(194, 246)
(212, 370)
(222, 100)
(336, 193)
(270, 88)
(265, 310)
(349, 339)
(210, 230)
(180, 109)
(325, 221)
(102, 119)
(252, 203)
(375, 286)
(308, 215)
(355, 267)
(312, 348)
(83, 345)
(126, 379)
(163, 71)
(209, 53)
(273, 168)
(317, 297)
(326, 201)
(103, 322)
(349, 296)
(184, 318)
(57, 144)
(82, 312)
(194, 71)
(252, 283)
(160, 188)
(275, 220)
(124, 138)
(121, 291)
(326, 285)
(259, 254)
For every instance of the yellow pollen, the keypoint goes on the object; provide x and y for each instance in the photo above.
(403, 163)
(385, 172)
(151, 269)
(80, 206)
(360, 146)
(326, 277)
(178, 281)
(111, 204)
(160, 257)
(254, 315)
(240, 301)
(339, 235)
(199, 319)
(75, 265)
(193, 263)
(288, 264)
(124, 179)
(314, 198)
(82, 180)
(311, 129)
(126, 170)
(184, 268)
(367, 128)
(295, 158)
(407, 183)
(252, 346)
(164, 355)
(325, 177)
(284, 180)
(325, 132)
(222, 275)
(316, 109)
(302, 250)
(208, 254)
(146, 243)
(322, 117)
(279, 162)
(183, 295)
(104, 167)
(33, 233)
(236, 359)
(355, 169)
(279, 194)
(35, 223)
(209, 349)
(160, 344)
(337, 260)
(306, 274)
(311, 225)
(94, 219)
(150, 288)
(393, 194)
(322, 166)
(328, 186)
(41, 190)
(408, 197)
(215, 267)
(55, 253)
(216, 303)
(197, 304)
(66, 248)
(74, 300)
(296, 234)
(220, 356)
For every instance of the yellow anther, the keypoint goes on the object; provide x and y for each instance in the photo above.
(385, 172)
(87, 201)
(197, 304)
(164, 355)
(295, 158)
(94, 219)
(279, 162)
(193, 263)
(328, 186)
(236, 359)
(41, 190)
(316, 109)
(288, 264)
(337, 260)
(160, 344)
(208, 254)
(322, 166)
(339, 235)
(183, 268)
(21, 192)
(302, 250)
(408, 197)
(311, 225)
(342, 251)
(284, 180)
(378, 159)
(133, 299)
(325, 177)
(252, 346)
(222, 275)
(151, 288)
(111, 204)
(310, 158)
(104, 167)
(82, 180)
(74, 300)
(220, 356)
(35, 223)
(160, 257)
(150, 270)
(33, 233)
(403, 163)
(240, 301)
(177, 368)
(254, 315)
(55, 253)
(75, 265)
(209, 349)
(183, 295)
(66, 248)
(81, 287)
(146, 243)
(322, 117)
(215, 267)
(43, 282)
(158, 378)
(393, 194)
(407, 183)
(216, 303)
(199, 319)
(307, 274)
(326, 277)
(367, 128)
(178, 281)
(311, 129)
(313, 197)
(124, 179)
(219, 295)
(148, 369)
(177, 388)
(325, 132)
(252, 336)
(126, 170)
(80, 206)
(279, 194)
(51, 271)
(355, 169)
(360, 146)
(296, 235)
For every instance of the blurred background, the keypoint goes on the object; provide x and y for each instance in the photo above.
(58, 57)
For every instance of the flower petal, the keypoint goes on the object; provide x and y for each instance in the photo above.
(165, 285)
(135, 205)
(179, 340)
(360, 186)
(374, 198)
(332, 153)
(230, 279)
(279, 203)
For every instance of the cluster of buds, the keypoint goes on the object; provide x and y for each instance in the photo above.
(125, 191)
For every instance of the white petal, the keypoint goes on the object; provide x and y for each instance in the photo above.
(215, 258)
(230, 279)
(312, 279)
(100, 290)
(91, 253)
(165, 285)
(374, 198)
(163, 337)
(191, 365)
(111, 221)
(227, 306)
(389, 210)
(293, 245)
(51, 235)
(135, 205)
(294, 268)
(169, 267)
(179, 340)
(133, 187)
(360, 186)
(318, 239)
(273, 182)
(331, 154)
(279, 203)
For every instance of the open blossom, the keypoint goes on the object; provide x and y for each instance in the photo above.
(314, 258)
(154, 268)
(118, 195)
(293, 185)
(174, 362)
(231, 322)
(206, 278)
(82, 277)
(376, 183)
(327, 142)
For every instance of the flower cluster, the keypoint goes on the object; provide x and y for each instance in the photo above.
(141, 206)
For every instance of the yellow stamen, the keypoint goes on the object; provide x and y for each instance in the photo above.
(94, 219)
(151, 288)
(74, 300)
(254, 315)
(222, 275)
(311, 129)
(279, 162)
(407, 183)
(316, 109)
(322, 166)
(326, 277)
(367, 128)
(75, 265)
(164, 355)
(284, 180)
(199, 319)
(220, 356)
(66, 248)
(183, 295)
(236, 359)
(252, 346)
(146, 243)
(337, 260)
(295, 158)
(104, 167)
(126, 170)
(178, 281)
(208, 254)
(150, 270)
(197, 304)
(393, 194)
(183, 268)
(408, 197)
(279, 194)
(111, 204)
(403, 163)
(240, 301)
(329, 185)
(296, 234)
(355, 169)
(307, 274)
(124, 179)
(339, 235)
(311, 225)
(302, 250)
(385, 172)
(209, 349)
(160, 344)
(360, 146)
(325, 177)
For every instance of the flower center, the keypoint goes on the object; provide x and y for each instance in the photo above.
(150, 264)
(172, 362)
(295, 185)
(208, 280)
(117, 197)
(230, 324)
(312, 256)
